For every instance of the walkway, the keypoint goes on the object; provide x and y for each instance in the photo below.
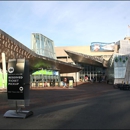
(86, 106)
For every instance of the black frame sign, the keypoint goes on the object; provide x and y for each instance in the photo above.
(15, 79)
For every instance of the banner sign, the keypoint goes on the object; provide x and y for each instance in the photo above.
(15, 80)
(102, 47)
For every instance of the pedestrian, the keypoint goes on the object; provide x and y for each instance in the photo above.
(94, 79)
(100, 79)
(53, 82)
(86, 78)
(65, 82)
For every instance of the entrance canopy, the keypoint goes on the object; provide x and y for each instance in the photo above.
(48, 63)
(87, 59)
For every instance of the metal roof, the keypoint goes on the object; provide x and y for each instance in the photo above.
(87, 59)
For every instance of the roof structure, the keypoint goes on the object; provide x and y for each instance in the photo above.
(13, 49)
(83, 58)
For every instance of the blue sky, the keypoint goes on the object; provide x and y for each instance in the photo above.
(67, 23)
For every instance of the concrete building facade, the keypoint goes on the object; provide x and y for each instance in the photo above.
(118, 70)
(90, 70)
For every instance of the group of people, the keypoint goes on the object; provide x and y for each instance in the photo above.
(93, 79)
(52, 83)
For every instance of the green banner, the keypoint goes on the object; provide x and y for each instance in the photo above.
(3, 81)
(5, 76)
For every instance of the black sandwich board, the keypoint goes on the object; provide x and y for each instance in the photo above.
(18, 85)
(18, 79)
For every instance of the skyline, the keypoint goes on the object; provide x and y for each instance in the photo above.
(67, 23)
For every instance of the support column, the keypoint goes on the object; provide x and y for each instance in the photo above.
(4, 71)
(76, 77)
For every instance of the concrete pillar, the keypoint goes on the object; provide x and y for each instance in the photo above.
(4, 70)
(77, 77)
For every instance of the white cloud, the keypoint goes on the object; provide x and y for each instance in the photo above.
(41, 8)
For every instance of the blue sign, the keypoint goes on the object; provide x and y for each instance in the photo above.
(55, 73)
(99, 46)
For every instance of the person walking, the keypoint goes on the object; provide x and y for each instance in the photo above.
(53, 83)
(65, 82)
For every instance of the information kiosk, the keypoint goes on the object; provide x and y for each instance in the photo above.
(18, 85)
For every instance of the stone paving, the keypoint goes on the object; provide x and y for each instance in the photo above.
(45, 96)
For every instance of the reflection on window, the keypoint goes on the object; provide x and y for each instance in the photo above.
(43, 45)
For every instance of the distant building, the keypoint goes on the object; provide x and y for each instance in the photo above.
(118, 70)
(99, 59)
(93, 62)
(44, 61)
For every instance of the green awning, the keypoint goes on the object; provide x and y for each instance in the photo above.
(43, 72)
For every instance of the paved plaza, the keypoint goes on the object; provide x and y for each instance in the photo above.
(86, 106)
